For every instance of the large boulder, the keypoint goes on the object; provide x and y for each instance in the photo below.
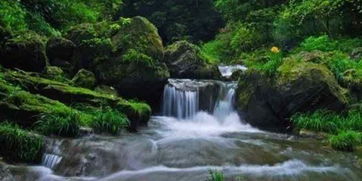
(185, 60)
(26, 52)
(140, 34)
(135, 75)
(124, 54)
(269, 102)
(60, 51)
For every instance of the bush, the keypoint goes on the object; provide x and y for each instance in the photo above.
(109, 121)
(18, 145)
(324, 43)
(65, 125)
(346, 140)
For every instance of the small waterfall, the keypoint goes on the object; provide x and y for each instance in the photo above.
(51, 160)
(183, 99)
(227, 71)
(180, 103)
(224, 105)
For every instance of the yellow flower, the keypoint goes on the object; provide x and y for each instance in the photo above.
(275, 49)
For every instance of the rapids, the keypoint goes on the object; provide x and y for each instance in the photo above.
(198, 130)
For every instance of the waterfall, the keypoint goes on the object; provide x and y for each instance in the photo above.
(183, 99)
(180, 103)
(224, 105)
(51, 160)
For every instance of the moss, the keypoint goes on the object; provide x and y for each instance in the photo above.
(135, 111)
(18, 145)
(84, 78)
(141, 35)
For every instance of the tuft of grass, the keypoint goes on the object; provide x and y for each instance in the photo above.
(215, 175)
(346, 140)
(65, 125)
(344, 129)
(18, 145)
(109, 121)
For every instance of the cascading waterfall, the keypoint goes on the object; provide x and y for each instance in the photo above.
(180, 103)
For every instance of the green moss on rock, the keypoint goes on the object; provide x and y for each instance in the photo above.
(26, 52)
(84, 78)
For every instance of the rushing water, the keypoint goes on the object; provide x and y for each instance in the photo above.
(197, 130)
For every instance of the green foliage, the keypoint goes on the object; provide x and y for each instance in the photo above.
(66, 125)
(324, 43)
(265, 61)
(200, 23)
(12, 16)
(216, 176)
(346, 129)
(135, 56)
(18, 145)
(346, 140)
(109, 121)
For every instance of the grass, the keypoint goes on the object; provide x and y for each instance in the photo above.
(344, 129)
(108, 120)
(215, 175)
(66, 125)
(18, 145)
(346, 140)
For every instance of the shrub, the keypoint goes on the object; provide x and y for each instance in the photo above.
(346, 140)
(18, 145)
(65, 125)
(109, 121)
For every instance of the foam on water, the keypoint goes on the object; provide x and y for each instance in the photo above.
(287, 168)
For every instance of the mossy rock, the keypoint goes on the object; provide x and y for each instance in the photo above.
(68, 94)
(77, 34)
(18, 145)
(185, 60)
(269, 102)
(26, 52)
(54, 73)
(84, 78)
(60, 51)
(140, 34)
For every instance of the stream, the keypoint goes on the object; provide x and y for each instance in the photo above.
(198, 130)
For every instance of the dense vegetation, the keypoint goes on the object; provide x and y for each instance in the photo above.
(76, 46)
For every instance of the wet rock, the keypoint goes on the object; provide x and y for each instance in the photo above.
(60, 51)
(84, 78)
(185, 60)
(5, 174)
(26, 52)
(269, 102)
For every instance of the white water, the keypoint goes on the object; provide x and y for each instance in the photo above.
(182, 117)
(227, 71)
(51, 160)
(287, 168)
